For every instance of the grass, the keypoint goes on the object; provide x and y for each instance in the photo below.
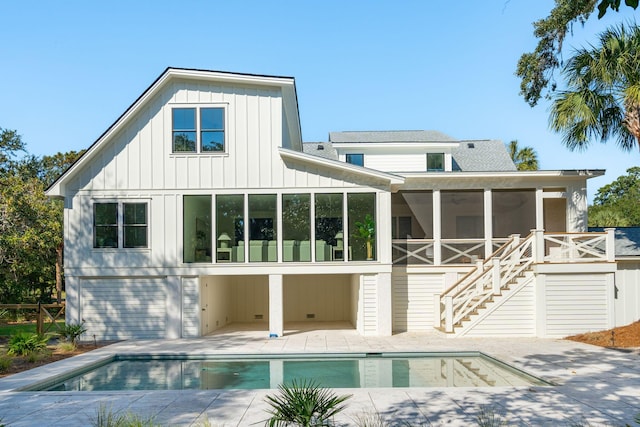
(7, 330)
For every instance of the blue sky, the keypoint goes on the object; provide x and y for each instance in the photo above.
(70, 68)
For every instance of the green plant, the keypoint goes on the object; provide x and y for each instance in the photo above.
(5, 363)
(25, 344)
(105, 417)
(488, 417)
(366, 230)
(304, 404)
(66, 347)
(72, 332)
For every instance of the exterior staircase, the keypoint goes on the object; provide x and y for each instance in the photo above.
(509, 269)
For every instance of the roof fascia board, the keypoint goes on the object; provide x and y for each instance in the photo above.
(395, 144)
(575, 173)
(341, 166)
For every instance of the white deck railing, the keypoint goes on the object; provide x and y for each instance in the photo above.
(512, 260)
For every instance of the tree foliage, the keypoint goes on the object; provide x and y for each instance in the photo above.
(30, 223)
(602, 99)
(618, 204)
(525, 158)
(536, 69)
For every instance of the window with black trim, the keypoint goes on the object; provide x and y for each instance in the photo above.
(435, 162)
(198, 130)
(120, 225)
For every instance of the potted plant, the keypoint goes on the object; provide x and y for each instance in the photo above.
(366, 230)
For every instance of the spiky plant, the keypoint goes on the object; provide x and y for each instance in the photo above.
(304, 404)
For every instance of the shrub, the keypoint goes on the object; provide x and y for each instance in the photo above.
(107, 418)
(66, 347)
(304, 404)
(25, 344)
(5, 364)
(72, 332)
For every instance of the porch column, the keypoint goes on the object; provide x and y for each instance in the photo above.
(437, 228)
(539, 209)
(385, 305)
(488, 223)
(276, 306)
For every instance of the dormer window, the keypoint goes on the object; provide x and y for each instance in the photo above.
(355, 159)
(198, 130)
(435, 162)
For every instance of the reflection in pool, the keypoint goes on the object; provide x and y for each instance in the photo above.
(249, 372)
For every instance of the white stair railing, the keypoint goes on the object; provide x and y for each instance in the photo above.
(512, 260)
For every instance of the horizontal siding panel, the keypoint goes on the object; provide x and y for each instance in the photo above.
(575, 304)
(413, 300)
(514, 315)
(123, 309)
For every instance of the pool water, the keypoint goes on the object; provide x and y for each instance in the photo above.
(378, 370)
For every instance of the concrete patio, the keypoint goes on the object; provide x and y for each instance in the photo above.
(595, 386)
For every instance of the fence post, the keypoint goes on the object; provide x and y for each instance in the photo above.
(611, 244)
(39, 320)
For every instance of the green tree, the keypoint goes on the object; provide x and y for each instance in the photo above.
(525, 158)
(602, 100)
(618, 204)
(536, 69)
(30, 223)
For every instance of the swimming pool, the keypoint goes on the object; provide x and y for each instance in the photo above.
(368, 370)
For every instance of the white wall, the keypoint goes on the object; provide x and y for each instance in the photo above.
(122, 308)
(249, 298)
(327, 297)
(215, 302)
(574, 303)
(627, 293)
(514, 314)
(413, 300)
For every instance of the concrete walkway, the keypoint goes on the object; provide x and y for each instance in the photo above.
(595, 386)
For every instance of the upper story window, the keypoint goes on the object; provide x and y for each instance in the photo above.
(198, 130)
(435, 162)
(120, 225)
(355, 159)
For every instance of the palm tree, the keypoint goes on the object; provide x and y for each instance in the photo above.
(525, 159)
(602, 100)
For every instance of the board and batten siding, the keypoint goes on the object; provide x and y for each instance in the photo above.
(140, 158)
(576, 303)
(627, 293)
(511, 315)
(413, 300)
(115, 309)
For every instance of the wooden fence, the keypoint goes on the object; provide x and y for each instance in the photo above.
(45, 321)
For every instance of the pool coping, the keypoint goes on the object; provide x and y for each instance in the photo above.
(594, 384)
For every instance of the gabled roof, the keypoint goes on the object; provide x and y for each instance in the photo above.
(286, 84)
(389, 136)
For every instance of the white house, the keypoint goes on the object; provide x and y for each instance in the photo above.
(200, 206)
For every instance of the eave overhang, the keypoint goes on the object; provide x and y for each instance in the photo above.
(338, 166)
